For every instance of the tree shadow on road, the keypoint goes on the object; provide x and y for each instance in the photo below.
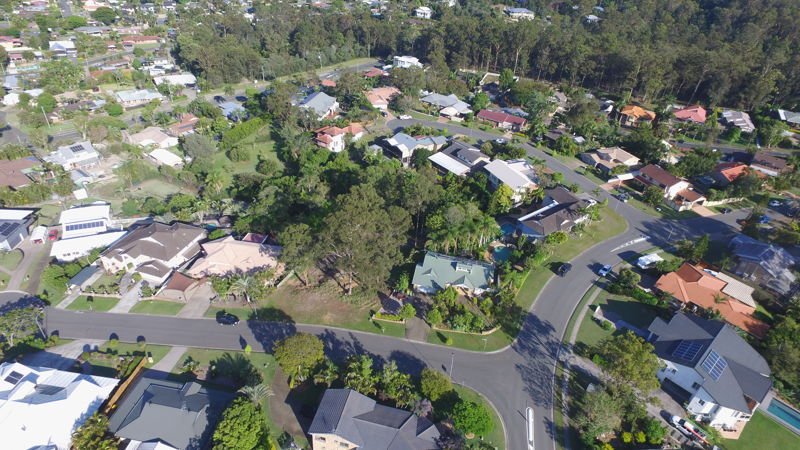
(538, 344)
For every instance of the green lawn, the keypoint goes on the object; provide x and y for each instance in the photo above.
(495, 438)
(763, 432)
(611, 225)
(666, 211)
(628, 309)
(157, 307)
(10, 260)
(4, 279)
(98, 303)
(48, 214)
(104, 364)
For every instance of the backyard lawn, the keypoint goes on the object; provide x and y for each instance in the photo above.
(10, 260)
(611, 225)
(763, 432)
(93, 303)
(157, 307)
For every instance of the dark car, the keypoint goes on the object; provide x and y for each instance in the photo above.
(564, 268)
(226, 318)
(725, 210)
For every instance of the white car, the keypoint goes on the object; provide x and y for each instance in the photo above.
(775, 203)
(404, 117)
(605, 270)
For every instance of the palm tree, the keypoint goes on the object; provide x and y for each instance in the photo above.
(257, 393)
(242, 287)
(215, 182)
(327, 374)
(360, 375)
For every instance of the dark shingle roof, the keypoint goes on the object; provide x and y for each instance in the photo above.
(181, 415)
(360, 420)
(747, 373)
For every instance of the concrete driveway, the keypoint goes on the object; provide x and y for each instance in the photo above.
(61, 356)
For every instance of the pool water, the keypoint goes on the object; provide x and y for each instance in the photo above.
(501, 254)
(507, 229)
(782, 411)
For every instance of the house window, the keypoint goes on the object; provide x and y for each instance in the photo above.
(319, 439)
(695, 386)
(701, 401)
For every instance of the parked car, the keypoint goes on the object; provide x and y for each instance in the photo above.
(226, 318)
(623, 197)
(725, 210)
(52, 235)
(404, 117)
(775, 203)
(605, 270)
(564, 268)
(689, 429)
(764, 219)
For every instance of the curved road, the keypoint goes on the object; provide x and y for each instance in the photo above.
(514, 378)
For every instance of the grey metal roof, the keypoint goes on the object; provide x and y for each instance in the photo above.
(319, 102)
(775, 261)
(178, 414)
(360, 420)
(438, 271)
(747, 373)
(464, 153)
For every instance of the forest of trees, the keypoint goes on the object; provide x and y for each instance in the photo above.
(736, 53)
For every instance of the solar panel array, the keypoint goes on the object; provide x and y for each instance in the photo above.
(687, 350)
(6, 228)
(84, 226)
(13, 377)
(77, 148)
(714, 364)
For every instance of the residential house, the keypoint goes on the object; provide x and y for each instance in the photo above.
(185, 125)
(164, 157)
(448, 105)
(333, 138)
(502, 120)
(85, 220)
(322, 105)
(137, 97)
(14, 225)
(437, 272)
(133, 40)
(178, 79)
(150, 137)
(403, 146)
(721, 378)
(380, 97)
(40, 407)
(93, 31)
(560, 210)
(790, 117)
(695, 287)
(79, 155)
(678, 193)
(10, 43)
(607, 159)
(423, 12)
(227, 256)
(346, 419)
(233, 110)
(517, 174)
(154, 250)
(555, 134)
(516, 14)
(181, 416)
(727, 172)
(766, 264)
(375, 72)
(768, 164)
(694, 113)
(458, 158)
(65, 250)
(16, 173)
(405, 62)
(633, 116)
(738, 119)
(63, 49)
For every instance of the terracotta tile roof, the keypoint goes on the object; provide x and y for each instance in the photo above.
(374, 72)
(638, 112)
(690, 195)
(731, 170)
(500, 117)
(694, 113)
(328, 83)
(382, 95)
(691, 284)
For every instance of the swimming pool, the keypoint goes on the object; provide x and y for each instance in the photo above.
(786, 413)
(507, 229)
(501, 254)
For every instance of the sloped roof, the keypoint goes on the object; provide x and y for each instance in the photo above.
(774, 260)
(13, 172)
(637, 112)
(500, 117)
(660, 175)
(508, 174)
(437, 271)
(360, 420)
(616, 154)
(319, 102)
(746, 375)
(227, 255)
(382, 95)
(180, 415)
(764, 159)
(731, 170)
(156, 241)
(695, 113)
(691, 284)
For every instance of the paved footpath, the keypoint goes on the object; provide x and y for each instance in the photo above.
(162, 368)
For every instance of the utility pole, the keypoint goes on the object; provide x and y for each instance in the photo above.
(452, 359)
(45, 117)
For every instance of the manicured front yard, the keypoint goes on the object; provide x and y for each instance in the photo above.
(632, 311)
(157, 307)
(611, 225)
(495, 438)
(664, 211)
(93, 303)
(105, 364)
(10, 260)
(763, 432)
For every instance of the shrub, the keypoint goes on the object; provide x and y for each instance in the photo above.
(392, 317)
(608, 326)
(434, 384)
(627, 437)
(471, 417)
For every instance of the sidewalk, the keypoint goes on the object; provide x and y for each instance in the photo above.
(128, 299)
(162, 368)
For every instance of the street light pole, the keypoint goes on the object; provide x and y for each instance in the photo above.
(452, 359)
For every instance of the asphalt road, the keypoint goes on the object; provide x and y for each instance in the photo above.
(517, 377)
